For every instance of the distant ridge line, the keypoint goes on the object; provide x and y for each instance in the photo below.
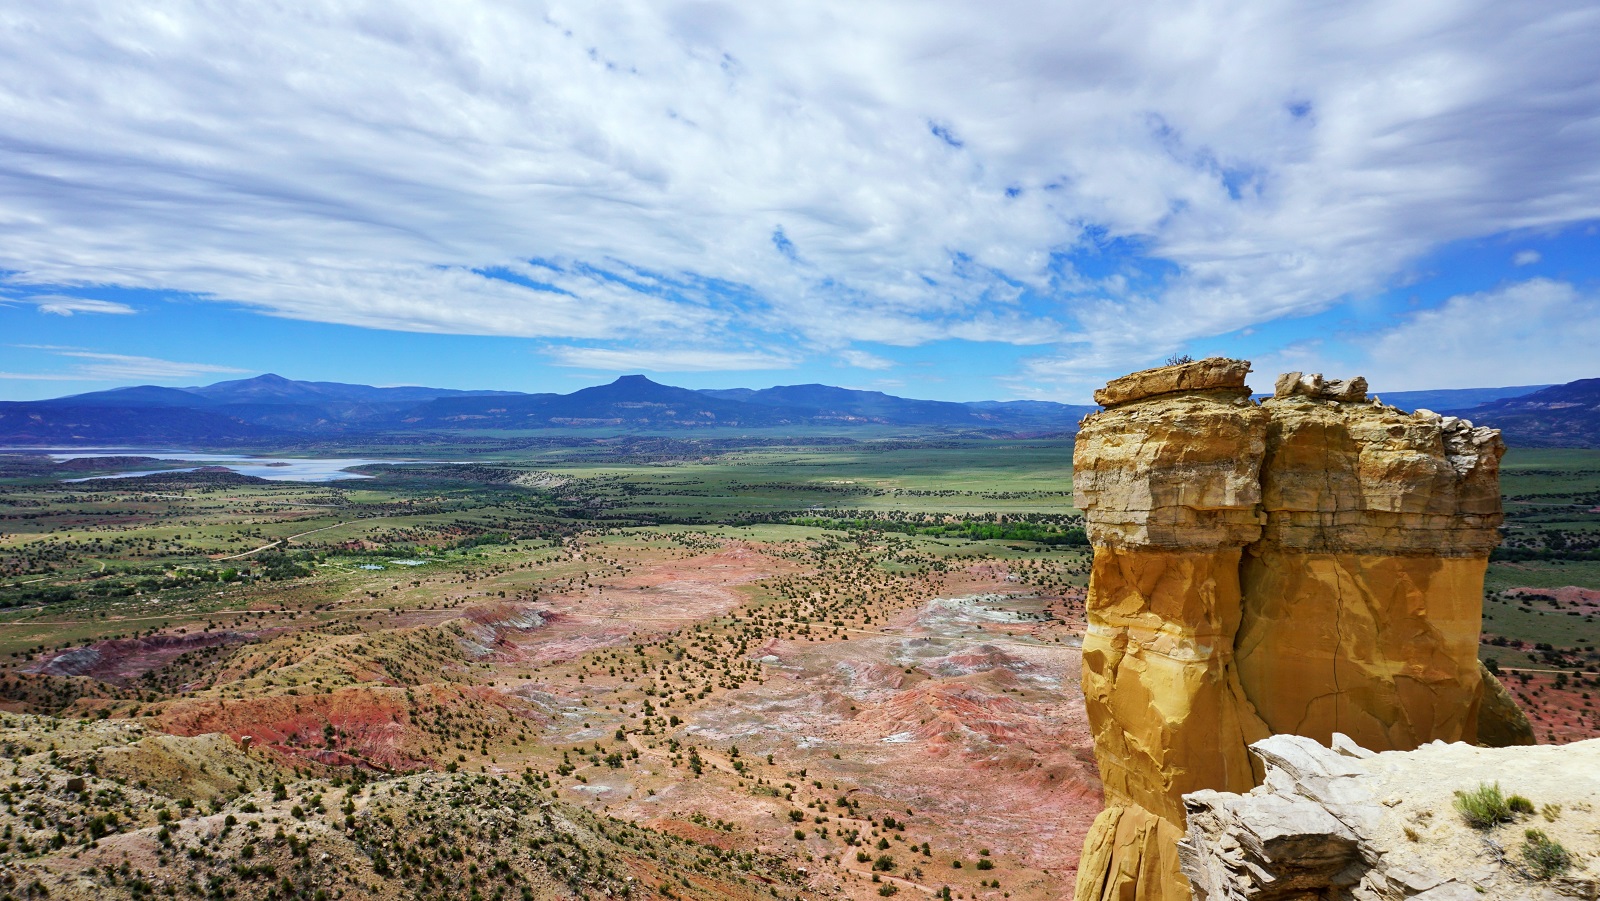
(270, 409)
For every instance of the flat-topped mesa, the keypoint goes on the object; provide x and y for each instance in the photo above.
(1307, 565)
(1174, 462)
(1367, 477)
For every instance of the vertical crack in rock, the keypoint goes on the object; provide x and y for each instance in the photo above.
(1310, 564)
(1377, 529)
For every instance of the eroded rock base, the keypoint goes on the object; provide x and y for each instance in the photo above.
(1158, 676)
(1131, 854)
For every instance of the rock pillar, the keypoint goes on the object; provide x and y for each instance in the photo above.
(1365, 593)
(1168, 478)
(1309, 565)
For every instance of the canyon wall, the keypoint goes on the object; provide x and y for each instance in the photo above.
(1308, 565)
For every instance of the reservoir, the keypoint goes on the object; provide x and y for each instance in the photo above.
(277, 469)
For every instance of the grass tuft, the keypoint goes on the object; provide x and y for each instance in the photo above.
(1544, 855)
(1486, 806)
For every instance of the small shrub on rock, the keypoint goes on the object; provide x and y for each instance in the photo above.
(1544, 856)
(1485, 806)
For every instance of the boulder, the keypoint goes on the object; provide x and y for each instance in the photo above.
(1298, 384)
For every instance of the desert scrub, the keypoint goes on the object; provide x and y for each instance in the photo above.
(1486, 806)
(1544, 855)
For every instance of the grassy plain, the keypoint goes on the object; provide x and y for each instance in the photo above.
(1543, 587)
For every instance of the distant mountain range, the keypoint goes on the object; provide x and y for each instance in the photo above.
(1453, 398)
(1558, 416)
(271, 409)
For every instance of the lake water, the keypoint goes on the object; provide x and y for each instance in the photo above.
(277, 469)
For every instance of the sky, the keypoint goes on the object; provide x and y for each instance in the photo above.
(949, 200)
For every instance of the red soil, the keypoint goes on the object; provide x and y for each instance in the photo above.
(1559, 715)
(374, 726)
(656, 599)
(120, 661)
(1584, 600)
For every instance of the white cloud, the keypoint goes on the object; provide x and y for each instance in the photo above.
(63, 305)
(1310, 355)
(117, 367)
(701, 175)
(860, 359)
(1526, 258)
(681, 360)
(104, 367)
(1530, 333)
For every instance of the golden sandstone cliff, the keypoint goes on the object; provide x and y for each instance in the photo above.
(1308, 565)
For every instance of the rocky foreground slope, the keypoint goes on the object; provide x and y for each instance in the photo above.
(104, 810)
(1348, 823)
(1308, 565)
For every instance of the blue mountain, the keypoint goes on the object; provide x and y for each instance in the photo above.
(272, 409)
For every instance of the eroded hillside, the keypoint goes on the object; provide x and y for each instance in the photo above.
(854, 711)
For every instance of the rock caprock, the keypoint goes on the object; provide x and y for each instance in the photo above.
(1305, 565)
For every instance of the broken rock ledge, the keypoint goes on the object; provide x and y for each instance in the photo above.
(1346, 823)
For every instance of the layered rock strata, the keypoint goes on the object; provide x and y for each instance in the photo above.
(1364, 596)
(1306, 565)
(1345, 823)
(1169, 478)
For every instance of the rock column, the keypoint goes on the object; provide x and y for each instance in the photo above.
(1310, 565)
(1364, 596)
(1168, 478)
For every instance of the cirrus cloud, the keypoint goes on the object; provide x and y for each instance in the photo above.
(665, 360)
(97, 366)
(64, 305)
(1532, 332)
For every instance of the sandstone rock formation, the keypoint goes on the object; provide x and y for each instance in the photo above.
(1209, 374)
(1170, 484)
(1365, 594)
(1306, 565)
(1350, 824)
